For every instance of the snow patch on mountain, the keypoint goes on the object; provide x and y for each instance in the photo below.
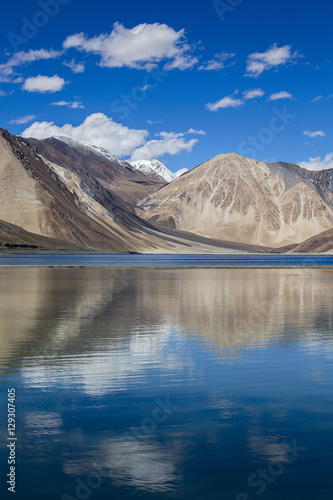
(149, 167)
(180, 172)
(81, 146)
(110, 156)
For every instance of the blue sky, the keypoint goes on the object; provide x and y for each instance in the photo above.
(180, 81)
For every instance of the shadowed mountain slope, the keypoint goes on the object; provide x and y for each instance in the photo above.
(121, 182)
(321, 243)
(72, 197)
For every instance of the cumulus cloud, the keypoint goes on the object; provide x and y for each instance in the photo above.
(280, 95)
(23, 119)
(3, 93)
(97, 129)
(169, 143)
(317, 163)
(253, 93)
(141, 47)
(275, 56)
(74, 104)
(44, 84)
(318, 133)
(100, 130)
(75, 67)
(23, 58)
(226, 102)
(219, 61)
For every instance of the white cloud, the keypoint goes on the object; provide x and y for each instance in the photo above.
(225, 102)
(317, 163)
(318, 98)
(3, 93)
(275, 56)
(44, 84)
(100, 130)
(181, 61)
(74, 104)
(141, 47)
(23, 58)
(75, 67)
(253, 93)
(97, 129)
(230, 101)
(218, 62)
(23, 119)
(19, 79)
(152, 122)
(5, 78)
(196, 132)
(318, 133)
(280, 95)
(170, 143)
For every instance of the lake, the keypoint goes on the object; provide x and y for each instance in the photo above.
(194, 384)
(215, 260)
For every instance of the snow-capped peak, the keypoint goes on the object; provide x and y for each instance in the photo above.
(149, 167)
(180, 172)
(110, 156)
(96, 149)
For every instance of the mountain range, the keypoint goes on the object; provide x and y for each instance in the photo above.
(234, 198)
(61, 194)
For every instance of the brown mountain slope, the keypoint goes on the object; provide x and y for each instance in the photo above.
(321, 243)
(124, 185)
(237, 199)
(71, 205)
(36, 198)
(15, 238)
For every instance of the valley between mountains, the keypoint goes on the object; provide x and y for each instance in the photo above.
(58, 194)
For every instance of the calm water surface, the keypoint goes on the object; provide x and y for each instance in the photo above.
(168, 383)
(229, 260)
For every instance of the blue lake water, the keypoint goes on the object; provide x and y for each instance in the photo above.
(167, 383)
(232, 260)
